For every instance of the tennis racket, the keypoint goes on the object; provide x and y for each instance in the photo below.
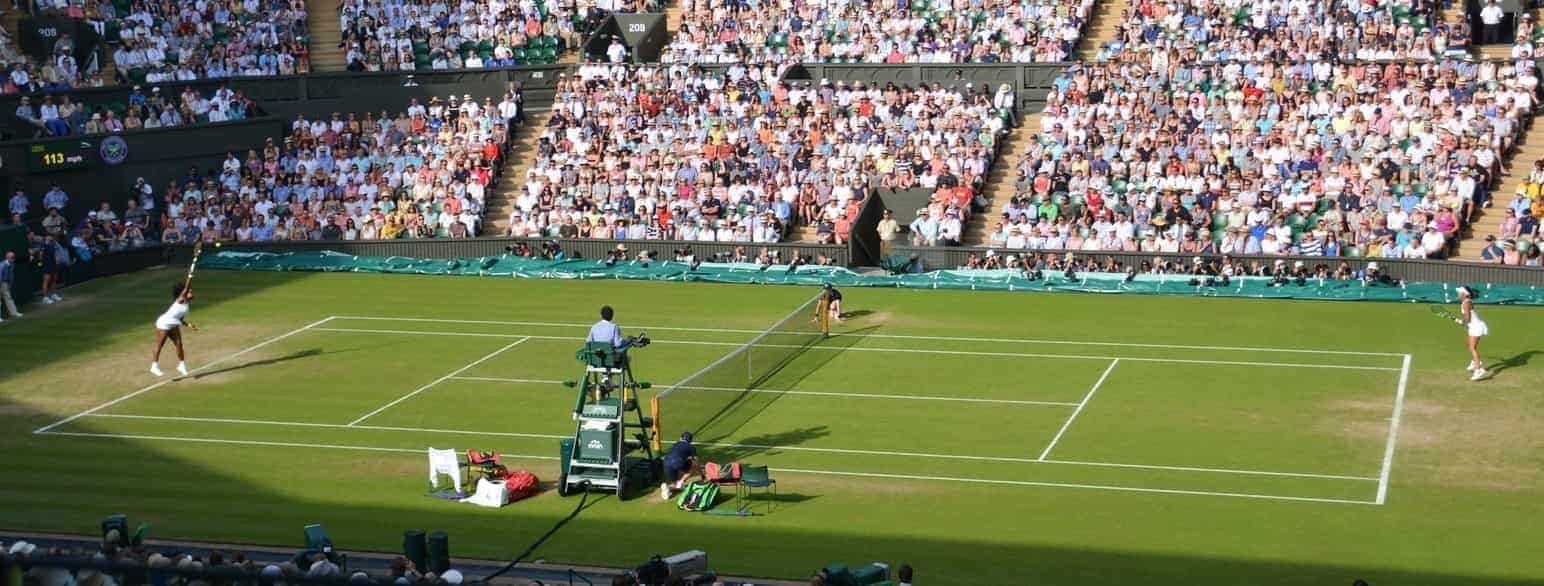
(1442, 312)
(198, 249)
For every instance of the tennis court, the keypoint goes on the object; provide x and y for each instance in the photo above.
(1193, 421)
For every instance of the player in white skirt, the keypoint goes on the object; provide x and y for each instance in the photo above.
(169, 326)
(1471, 320)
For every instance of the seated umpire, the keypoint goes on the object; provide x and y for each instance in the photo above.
(606, 331)
(680, 462)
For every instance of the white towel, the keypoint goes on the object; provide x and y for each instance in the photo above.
(490, 493)
(444, 462)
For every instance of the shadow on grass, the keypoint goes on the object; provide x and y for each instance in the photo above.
(857, 313)
(307, 353)
(152, 481)
(765, 444)
(791, 365)
(1513, 362)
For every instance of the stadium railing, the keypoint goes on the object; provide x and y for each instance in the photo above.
(1422, 271)
(572, 248)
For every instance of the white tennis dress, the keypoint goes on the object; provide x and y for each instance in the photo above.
(1476, 325)
(173, 317)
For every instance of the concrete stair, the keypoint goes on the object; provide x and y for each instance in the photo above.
(801, 234)
(1103, 26)
(11, 20)
(326, 33)
(673, 17)
(1487, 221)
(520, 159)
(999, 181)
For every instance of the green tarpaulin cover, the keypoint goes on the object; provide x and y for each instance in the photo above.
(985, 280)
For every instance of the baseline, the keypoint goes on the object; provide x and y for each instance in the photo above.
(1388, 450)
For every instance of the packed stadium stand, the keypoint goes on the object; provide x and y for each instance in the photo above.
(1300, 95)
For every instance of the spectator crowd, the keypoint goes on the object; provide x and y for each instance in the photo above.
(58, 115)
(1156, 32)
(117, 562)
(1387, 159)
(420, 173)
(210, 39)
(889, 31)
(417, 35)
(678, 153)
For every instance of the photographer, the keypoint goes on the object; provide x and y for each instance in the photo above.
(616, 255)
(552, 251)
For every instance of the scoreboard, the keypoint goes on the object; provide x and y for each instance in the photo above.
(52, 157)
(79, 153)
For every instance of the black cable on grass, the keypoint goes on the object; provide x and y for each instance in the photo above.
(584, 495)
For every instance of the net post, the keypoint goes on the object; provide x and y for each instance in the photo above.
(825, 315)
(654, 414)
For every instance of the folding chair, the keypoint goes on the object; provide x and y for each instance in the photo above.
(317, 541)
(752, 478)
(482, 464)
(448, 463)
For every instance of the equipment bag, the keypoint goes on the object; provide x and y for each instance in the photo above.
(521, 484)
(727, 474)
(698, 496)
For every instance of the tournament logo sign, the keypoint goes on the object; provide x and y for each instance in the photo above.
(114, 150)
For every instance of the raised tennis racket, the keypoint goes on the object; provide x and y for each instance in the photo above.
(198, 248)
(1442, 312)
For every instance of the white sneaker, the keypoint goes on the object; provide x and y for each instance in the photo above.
(1478, 374)
(1470, 367)
(155, 369)
(48, 301)
(57, 298)
(664, 491)
(182, 368)
(16, 316)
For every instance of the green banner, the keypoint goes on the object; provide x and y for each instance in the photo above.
(985, 280)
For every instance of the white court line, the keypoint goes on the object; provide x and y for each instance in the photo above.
(263, 443)
(901, 350)
(734, 445)
(1088, 486)
(1070, 418)
(892, 336)
(328, 425)
(1388, 451)
(810, 393)
(439, 380)
(160, 383)
(780, 470)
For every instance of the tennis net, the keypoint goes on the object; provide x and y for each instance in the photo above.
(715, 401)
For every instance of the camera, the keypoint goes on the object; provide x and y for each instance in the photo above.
(642, 340)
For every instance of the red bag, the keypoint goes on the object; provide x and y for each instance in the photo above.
(722, 474)
(521, 484)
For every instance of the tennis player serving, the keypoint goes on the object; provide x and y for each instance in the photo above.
(1476, 330)
(169, 327)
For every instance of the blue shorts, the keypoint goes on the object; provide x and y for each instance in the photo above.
(675, 469)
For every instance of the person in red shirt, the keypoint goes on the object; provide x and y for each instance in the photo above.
(490, 151)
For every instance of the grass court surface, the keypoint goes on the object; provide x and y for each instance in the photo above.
(982, 437)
